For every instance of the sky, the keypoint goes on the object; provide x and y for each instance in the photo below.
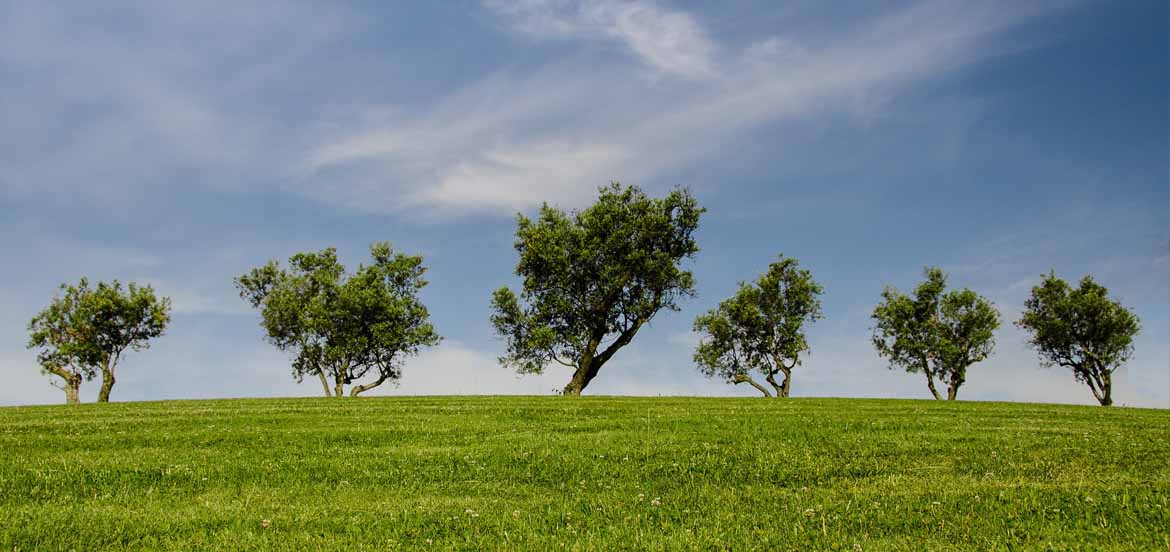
(180, 144)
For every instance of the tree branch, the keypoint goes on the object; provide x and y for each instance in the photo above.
(558, 360)
(744, 378)
(622, 340)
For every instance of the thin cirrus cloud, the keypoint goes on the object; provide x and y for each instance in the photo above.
(669, 41)
(510, 142)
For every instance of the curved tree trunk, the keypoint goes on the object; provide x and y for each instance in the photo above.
(1106, 385)
(587, 368)
(586, 371)
(781, 388)
(324, 383)
(71, 385)
(108, 377)
(1091, 380)
(107, 386)
(930, 384)
(591, 362)
(359, 389)
(744, 378)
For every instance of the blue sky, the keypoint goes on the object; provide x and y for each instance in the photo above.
(179, 145)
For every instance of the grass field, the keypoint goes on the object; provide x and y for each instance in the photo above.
(595, 473)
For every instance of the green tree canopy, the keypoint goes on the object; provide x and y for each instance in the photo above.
(1080, 329)
(86, 329)
(935, 332)
(760, 328)
(593, 278)
(341, 327)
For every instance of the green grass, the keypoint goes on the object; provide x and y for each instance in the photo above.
(547, 473)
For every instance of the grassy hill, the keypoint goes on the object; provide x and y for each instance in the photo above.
(598, 473)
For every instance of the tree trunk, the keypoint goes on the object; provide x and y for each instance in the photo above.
(1106, 389)
(339, 386)
(592, 361)
(587, 368)
(1091, 380)
(359, 389)
(72, 389)
(953, 387)
(324, 383)
(781, 388)
(108, 377)
(586, 371)
(930, 384)
(107, 386)
(744, 378)
(71, 385)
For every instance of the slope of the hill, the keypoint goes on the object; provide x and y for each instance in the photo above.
(590, 473)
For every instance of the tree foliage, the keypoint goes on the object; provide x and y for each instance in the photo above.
(760, 328)
(85, 330)
(935, 332)
(1080, 329)
(342, 327)
(593, 278)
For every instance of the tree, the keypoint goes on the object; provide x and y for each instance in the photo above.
(86, 330)
(593, 278)
(760, 328)
(342, 327)
(937, 333)
(1081, 329)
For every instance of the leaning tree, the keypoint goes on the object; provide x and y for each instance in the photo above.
(760, 328)
(935, 332)
(342, 327)
(85, 330)
(593, 278)
(1080, 329)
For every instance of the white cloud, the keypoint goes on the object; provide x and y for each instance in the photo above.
(670, 41)
(511, 142)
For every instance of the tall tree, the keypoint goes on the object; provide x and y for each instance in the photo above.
(760, 328)
(935, 332)
(593, 278)
(343, 327)
(85, 330)
(1080, 329)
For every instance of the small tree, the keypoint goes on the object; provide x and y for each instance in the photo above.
(593, 278)
(85, 331)
(342, 327)
(760, 328)
(936, 333)
(1080, 329)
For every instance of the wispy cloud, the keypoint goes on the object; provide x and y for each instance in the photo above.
(670, 41)
(511, 141)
